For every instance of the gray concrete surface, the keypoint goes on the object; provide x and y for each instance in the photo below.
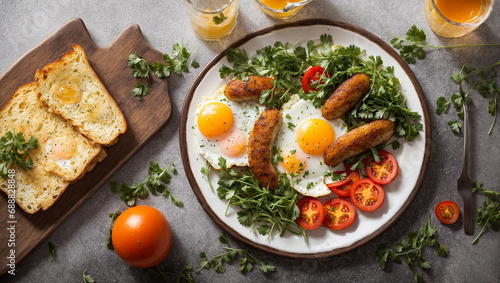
(80, 239)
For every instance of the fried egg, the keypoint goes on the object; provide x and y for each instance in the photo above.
(223, 128)
(304, 136)
(61, 150)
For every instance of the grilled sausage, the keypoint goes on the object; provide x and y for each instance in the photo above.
(241, 91)
(346, 96)
(358, 141)
(262, 138)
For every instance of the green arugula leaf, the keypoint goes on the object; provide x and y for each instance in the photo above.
(14, 150)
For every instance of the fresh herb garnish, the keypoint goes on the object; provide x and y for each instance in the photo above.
(14, 148)
(288, 63)
(52, 251)
(277, 158)
(156, 183)
(486, 85)
(489, 213)
(206, 174)
(216, 263)
(271, 209)
(412, 46)
(219, 19)
(174, 63)
(113, 216)
(87, 278)
(411, 251)
(336, 177)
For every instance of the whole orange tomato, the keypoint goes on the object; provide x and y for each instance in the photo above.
(142, 236)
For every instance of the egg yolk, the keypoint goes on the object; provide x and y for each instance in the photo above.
(233, 144)
(314, 136)
(293, 164)
(63, 148)
(68, 93)
(215, 119)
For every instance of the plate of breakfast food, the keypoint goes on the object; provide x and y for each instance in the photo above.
(69, 103)
(305, 139)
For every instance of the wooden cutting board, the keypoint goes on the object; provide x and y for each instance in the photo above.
(144, 118)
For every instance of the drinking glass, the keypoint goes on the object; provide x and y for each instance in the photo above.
(211, 20)
(458, 17)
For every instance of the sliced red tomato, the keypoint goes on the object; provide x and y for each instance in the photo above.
(339, 214)
(447, 212)
(366, 194)
(312, 213)
(343, 187)
(313, 74)
(385, 171)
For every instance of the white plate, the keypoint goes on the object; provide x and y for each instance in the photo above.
(412, 157)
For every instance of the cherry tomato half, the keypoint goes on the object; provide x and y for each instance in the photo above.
(385, 171)
(366, 194)
(313, 74)
(447, 212)
(312, 213)
(343, 187)
(339, 214)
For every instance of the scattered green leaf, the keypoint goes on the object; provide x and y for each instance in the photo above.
(113, 216)
(489, 212)
(219, 19)
(87, 278)
(52, 250)
(14, 148)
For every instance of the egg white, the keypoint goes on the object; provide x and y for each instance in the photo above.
(311, 181)
(245, 114)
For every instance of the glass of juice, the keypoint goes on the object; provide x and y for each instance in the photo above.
(211, 20)
(277, 10)
(455, 18)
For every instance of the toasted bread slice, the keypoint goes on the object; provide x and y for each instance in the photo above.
(71, 88)
(66, 152)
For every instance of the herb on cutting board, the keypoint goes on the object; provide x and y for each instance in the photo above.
(412, 46)
(174, 63)
(485, 83)
(216, 263)
(156, 183)
(411, 251)
(14, 149)
(489, 213)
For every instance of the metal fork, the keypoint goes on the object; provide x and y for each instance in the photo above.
(464, 182)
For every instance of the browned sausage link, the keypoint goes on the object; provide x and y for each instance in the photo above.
(358, 141)
(262, 138)
(240, 91)
(346, 96)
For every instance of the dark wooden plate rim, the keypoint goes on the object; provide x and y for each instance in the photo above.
(302, 23)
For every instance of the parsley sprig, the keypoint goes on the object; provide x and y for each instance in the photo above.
(156, 183)
(219, 19)
(411, 251)
(52, 251)
(412, 46)
(267, 209)
(175, 63)
(14, 148)
(484, 81)
(87, 278)
(216, 263)
(109, 240)
(489, 213)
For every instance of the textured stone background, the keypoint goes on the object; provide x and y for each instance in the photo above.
(80, 240)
